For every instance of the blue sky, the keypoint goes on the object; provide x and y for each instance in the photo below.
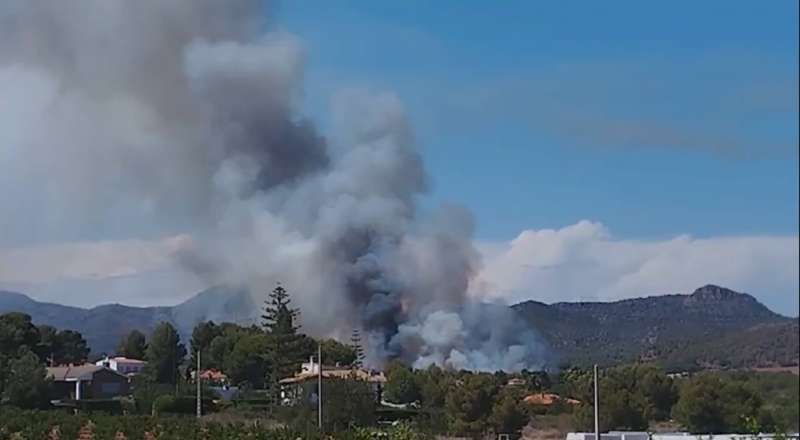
(654, 118)
(606, 150)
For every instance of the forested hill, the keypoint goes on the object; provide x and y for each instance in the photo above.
(698, 330)
(712, 327)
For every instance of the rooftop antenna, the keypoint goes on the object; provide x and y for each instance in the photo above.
(596, 406)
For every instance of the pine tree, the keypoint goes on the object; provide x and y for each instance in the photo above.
(358, 349)
(279, 317)
(286, 348)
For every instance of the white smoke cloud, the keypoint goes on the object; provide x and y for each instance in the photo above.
(126, 122)
(584, 262)
(574, 263)
(134, 120)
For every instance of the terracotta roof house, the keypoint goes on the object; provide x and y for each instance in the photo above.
(547, 399)
(213, 375)
(76, 382)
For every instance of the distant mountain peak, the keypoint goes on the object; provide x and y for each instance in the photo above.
(676, 328)
(727, 301)
(104, 325)
(711, 292)
(9, 296)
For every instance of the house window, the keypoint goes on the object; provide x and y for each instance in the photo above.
(110, 388)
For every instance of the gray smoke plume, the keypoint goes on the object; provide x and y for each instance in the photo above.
(152, 117)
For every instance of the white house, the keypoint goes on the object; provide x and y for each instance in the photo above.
(122, 365)
(303, 385)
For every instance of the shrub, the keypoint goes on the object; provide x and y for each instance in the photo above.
(168, 404)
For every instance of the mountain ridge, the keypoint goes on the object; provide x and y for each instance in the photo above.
(104, 325)
(660, 328)
(680, 331)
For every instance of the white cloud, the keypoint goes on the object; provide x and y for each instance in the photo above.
(584, 262)
(135, 272)
(577, 262)
(88, 260)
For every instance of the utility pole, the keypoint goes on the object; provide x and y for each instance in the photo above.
(197, 379)
(596, 406)
(175, 372)
(319, 386)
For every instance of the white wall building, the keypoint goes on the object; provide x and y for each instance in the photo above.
(122, 365)
(631, 435)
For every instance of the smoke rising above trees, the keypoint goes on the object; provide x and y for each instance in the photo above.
(143, 119)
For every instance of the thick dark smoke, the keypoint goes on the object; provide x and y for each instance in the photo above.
(166, 116)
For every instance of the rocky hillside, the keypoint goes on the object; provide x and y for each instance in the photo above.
(680, 331)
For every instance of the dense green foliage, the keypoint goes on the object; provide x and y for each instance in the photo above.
(712, 327)
(133, 345)
(26, 385)
(347, 404)
(24, 351)
(17, 334)
(633, 397)
(509, 413)
(469, 403)
(715, 403)
(17, 331)
(164, 354)
(762, 345)
(630, 396)
(247, 362)
(401, 385)
(51, 345)
(203, 335)
(171, 404)
(709, 404)
(218, 350)
(37, 425)
(336, 353)
(780, 394)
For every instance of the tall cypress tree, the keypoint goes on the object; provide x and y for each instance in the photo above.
(358, 349)
(286, 348)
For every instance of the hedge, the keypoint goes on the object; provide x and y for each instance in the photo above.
(19, 424)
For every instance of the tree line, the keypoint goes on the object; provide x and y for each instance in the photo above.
(632, 397)
(255, 357)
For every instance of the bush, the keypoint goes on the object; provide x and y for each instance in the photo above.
(110, 406)
(145, 394)
(711, 404)
(26, 385)
(36, 425)
(167, 404)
